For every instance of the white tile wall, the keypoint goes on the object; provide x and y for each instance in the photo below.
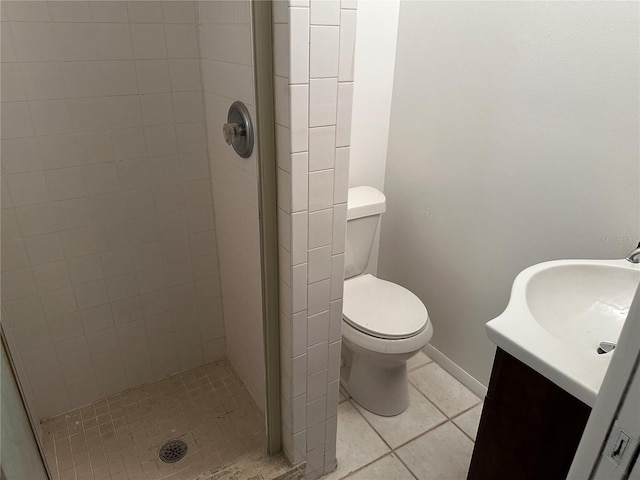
(323, 100)
(323, 51)
(312, 180)
(227, 72)
(108, 238)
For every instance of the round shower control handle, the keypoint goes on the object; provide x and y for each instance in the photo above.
(238, 131)
(231, 131)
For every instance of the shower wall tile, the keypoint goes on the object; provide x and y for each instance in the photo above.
(43, 80)
(323, 51)
(322, 146)
(299, 237)
(299, 117)
(185, 75)
(321, 190)
(179, 12)
(107, 208)
(299, 187)
(12, 89)
(227, 75)
(325, 13)
(152, 76)
(323, 102)
(33, 41)
(320, 267)
(298, 45)
(20, 155)
(21, 12)
(347, 45)
(313, 167)
(343, 124)
(280, 44)
(281, 97)
(320, 228)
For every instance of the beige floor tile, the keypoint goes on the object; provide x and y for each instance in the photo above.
(357, 445)
(469, 420)
(441, 454)
(387, 468)
(420, 416)
(418, 361)
(447, 393)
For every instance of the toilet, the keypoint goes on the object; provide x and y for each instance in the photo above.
(383, 324)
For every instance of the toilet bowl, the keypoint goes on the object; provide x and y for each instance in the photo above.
(383, 324)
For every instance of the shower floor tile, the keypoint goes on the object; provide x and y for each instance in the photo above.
(118, 437)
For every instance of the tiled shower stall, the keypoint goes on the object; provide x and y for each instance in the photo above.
(114, 270)
(130, 237)
(107, 204)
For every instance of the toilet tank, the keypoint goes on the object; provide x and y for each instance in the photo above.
(364, 207)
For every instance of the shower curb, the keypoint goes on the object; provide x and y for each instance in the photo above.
(257, 466)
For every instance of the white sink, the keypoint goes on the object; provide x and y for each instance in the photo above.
(558, 314)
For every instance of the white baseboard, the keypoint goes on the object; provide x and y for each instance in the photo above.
(450, 366)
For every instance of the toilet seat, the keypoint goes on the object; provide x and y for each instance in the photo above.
(383, 309)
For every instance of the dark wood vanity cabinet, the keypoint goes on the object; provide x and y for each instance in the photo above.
(530, 428)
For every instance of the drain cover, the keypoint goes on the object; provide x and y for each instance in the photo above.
(172, 451)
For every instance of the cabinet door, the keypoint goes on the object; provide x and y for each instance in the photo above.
(529, 429)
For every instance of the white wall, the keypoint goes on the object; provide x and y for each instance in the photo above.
(228, 76)
(513, 140)
(375, 56)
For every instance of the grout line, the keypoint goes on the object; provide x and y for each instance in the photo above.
(365, 466)
(463, 432)
(430, 401)
(462, 412)
(431, 429)
(405, 465)
(394, 451)
(354, 405)
(388, 454)
(434, 403)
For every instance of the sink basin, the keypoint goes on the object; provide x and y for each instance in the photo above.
(558, 314)
(582, 304)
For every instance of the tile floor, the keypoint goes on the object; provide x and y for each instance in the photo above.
(432, 439)
(118, 437)
(209, 408)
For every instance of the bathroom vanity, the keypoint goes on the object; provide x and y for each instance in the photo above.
(530, 428)
(548, 368)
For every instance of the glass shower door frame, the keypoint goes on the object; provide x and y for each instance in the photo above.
(263, 81)
(25, 407)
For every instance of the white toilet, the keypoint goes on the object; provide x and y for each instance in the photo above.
(383, 324)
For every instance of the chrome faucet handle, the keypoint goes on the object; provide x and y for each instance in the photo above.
(232, 130)
(634, 257)
(238, 131)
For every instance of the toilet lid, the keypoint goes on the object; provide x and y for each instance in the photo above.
(382, 309)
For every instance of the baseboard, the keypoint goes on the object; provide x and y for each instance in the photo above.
(450, 366)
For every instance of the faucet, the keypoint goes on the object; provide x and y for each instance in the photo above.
(634, 257)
